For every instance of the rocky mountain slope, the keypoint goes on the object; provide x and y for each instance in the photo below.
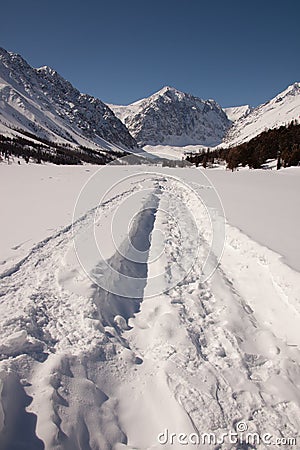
(281, 110)
(171, 117)
(41, 102)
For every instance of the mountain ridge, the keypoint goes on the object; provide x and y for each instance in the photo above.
(172, 117)
(42, 102)
(246, 122)
(235, 113)
(280, 110)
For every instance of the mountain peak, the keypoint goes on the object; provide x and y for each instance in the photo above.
(167, 89)
(291, 89)
(278, 111)
(43, 103)
(172, 117)
(167, 94)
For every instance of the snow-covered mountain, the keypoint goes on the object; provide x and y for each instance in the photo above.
(41, 102)
(171, 117)
(281, 110)
(235, 113)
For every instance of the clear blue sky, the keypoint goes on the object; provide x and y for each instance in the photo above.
(233, 51)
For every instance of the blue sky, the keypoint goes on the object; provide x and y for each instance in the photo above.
(235, 52)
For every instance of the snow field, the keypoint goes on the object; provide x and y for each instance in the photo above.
(169, 347)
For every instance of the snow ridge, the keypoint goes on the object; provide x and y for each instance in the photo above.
(280, 110)
(235, 113)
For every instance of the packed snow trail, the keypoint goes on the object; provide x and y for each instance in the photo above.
(84, 369)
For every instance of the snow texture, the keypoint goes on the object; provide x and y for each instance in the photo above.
(80, 370)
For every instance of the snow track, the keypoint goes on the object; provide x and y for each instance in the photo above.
(85, 367)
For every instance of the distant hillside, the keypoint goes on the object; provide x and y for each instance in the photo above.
(38, 150)
(282, 144)
(280, 110)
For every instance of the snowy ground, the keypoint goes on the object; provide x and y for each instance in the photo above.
(171, 151)
(264, 205)
(169, 347)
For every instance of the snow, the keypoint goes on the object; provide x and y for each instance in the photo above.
(122, 111)
(280, 110)
(171, 151)
(41, 102)
(171, 117)
(263, 204)
(173, 347)
(155, 126)
(235, 113)
(36, 200)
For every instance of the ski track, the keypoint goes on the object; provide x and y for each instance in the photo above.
(200, 357)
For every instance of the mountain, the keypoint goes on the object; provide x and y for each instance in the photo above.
(235, 113)
(41, 103)
(42, 106)
(171, 117)
(281, 110)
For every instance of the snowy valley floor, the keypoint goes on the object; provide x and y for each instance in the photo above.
(113, 332)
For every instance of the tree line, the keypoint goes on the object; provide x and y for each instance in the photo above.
(282, 143)
(52, 152)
